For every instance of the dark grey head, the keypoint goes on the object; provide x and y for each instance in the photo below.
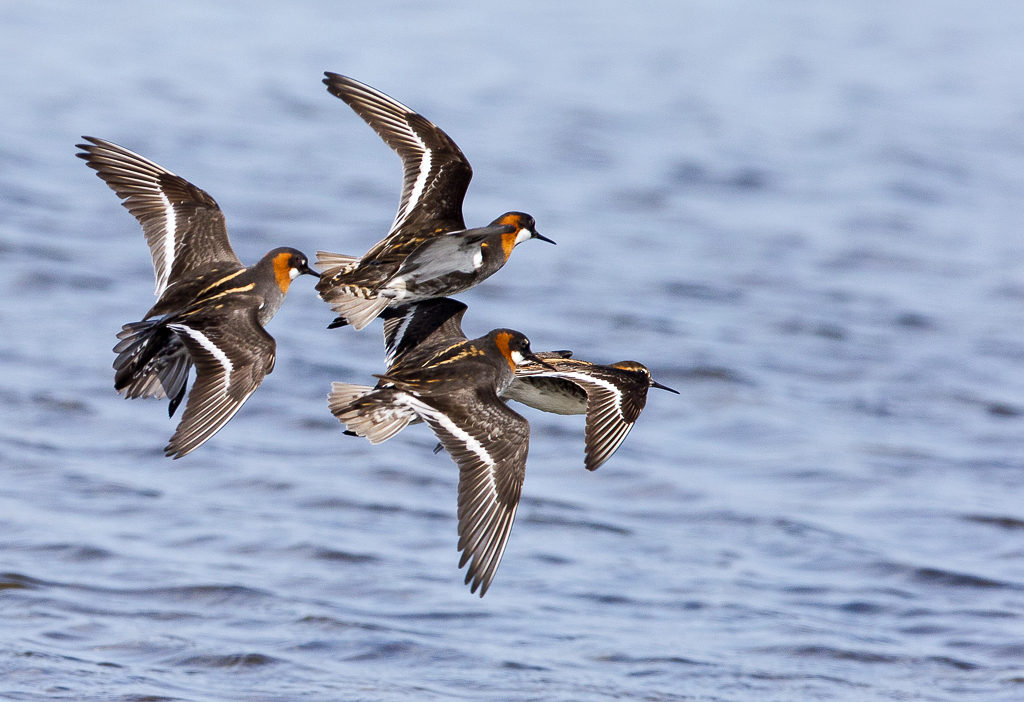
(641, 370)
(522, 227)
(287, 264)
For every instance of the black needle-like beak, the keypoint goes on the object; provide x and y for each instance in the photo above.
(656, 384)
(537, 359)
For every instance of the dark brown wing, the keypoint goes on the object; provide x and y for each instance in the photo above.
(489, 442)
(436, 174)
(615, 399)
(183, 225)
(614, 402)
(441, 368)
(419, 326)
(232, 354)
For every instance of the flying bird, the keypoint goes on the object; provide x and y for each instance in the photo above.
(454, 389)
(210, 309)
(428, 251)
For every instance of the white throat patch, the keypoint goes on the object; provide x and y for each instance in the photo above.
(523, 235)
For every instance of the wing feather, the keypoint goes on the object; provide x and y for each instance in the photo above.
(436, 174)
(490, 446)
(183, 225)
(232, 354)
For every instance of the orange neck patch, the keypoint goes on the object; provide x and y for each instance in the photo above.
(283, 271)
(501, 341)
(508, 242)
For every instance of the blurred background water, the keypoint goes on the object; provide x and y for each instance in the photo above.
(804, 216)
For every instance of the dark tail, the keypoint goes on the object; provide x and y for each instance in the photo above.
(152, 361)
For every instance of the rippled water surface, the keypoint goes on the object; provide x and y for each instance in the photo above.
(806, 217)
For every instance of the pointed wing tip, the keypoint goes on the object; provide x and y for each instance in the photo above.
(336, 81)
(174, 453)
(176, 448)
(478, 583)
(597, 455)
(93, 141)
(90, 144)
(86, 151)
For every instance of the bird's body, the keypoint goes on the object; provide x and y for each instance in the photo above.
(548, 394)
(210, 308)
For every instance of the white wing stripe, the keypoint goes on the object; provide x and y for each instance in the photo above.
(458, 432)
(585, 378)
(417, 188)
(214, 350)
(396, 338)
(167, 254)
(471, 443)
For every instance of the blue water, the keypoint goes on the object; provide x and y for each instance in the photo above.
(806, 217)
